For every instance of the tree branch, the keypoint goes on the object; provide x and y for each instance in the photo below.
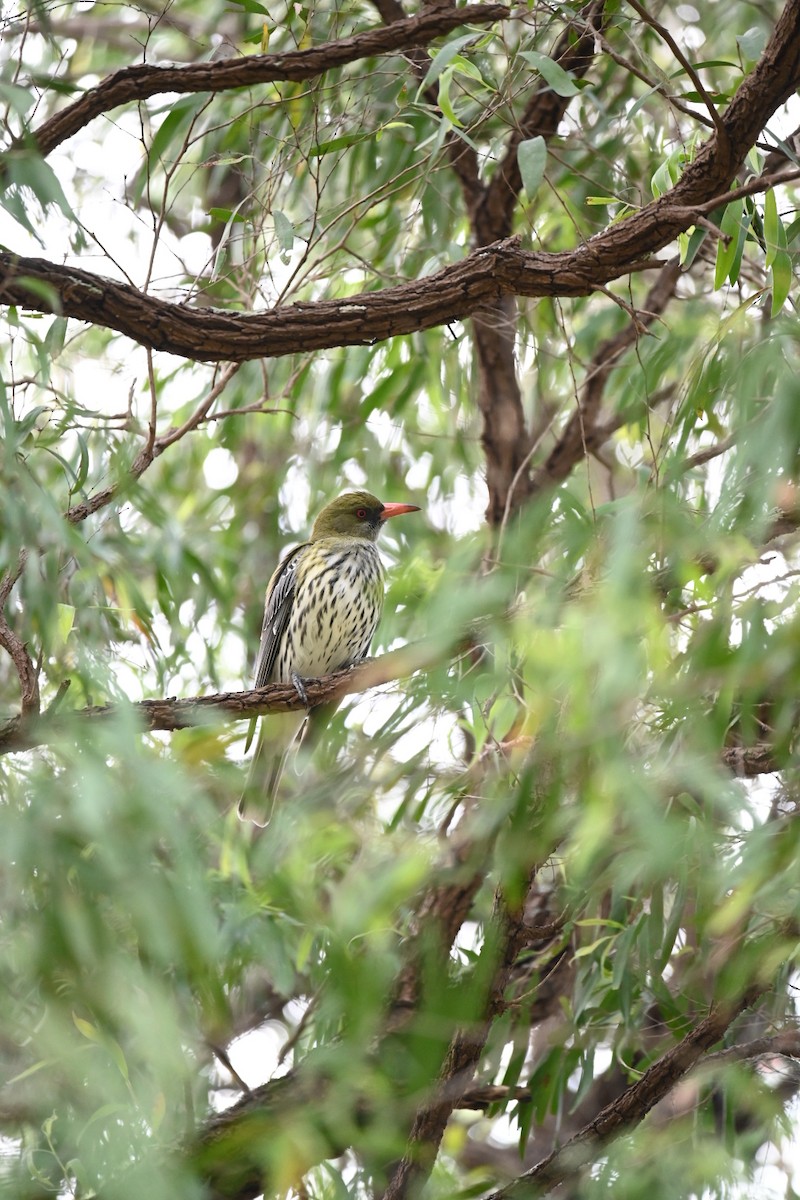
(479, 280)
(17, 649)
(631, 1107)
(786, 1043)
(23, 732)
(456, 292)
(144, 80)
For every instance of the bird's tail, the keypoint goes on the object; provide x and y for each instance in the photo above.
(278, 736)
(282, 738)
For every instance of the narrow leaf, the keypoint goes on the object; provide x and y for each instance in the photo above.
(284, 230)
(560, 80)
(772, 227)
(782, 279)
(444, 56)
(532, 157)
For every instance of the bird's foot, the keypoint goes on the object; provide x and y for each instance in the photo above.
(297, 684)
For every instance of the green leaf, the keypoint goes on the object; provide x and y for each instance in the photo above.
(532, 157)
(337, 143)
(54, 339)
(20, 99)
(693, 244)
(445, 104)
(226, 214)
(752, 42)
(26, 168)
(175, 122)
(15, 206)
(442, 58)
(66, 621)
(43, 291)
(653, 91)
(284, 230)
(82, 472)
(462, 66)
(560, 80)
(168, 139)
(729, 248)
(773, 228)
(782, 280)
(662, 179)
(252, 6)
(27, 422)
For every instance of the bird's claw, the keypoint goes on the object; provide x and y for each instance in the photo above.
(297, 684)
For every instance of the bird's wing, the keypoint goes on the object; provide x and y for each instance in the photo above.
(277, 608)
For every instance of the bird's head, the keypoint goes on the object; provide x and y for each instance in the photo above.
(358, 515)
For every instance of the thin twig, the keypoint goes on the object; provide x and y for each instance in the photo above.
(667, 37)
(153, 422)
(86, 508)
(761, 183)
(17, 650)
(704, 456)
(200, 413)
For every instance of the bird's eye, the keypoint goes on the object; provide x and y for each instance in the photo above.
(361, 513)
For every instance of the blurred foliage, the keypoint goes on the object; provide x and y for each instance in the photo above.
(631, 625)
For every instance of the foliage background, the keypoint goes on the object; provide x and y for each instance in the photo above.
(533, 922)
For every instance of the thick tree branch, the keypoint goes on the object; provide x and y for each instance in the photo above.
(451, 294)
(479, 280)
(144, 80)
(505, 438)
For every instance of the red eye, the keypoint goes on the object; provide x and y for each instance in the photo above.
(361, 513)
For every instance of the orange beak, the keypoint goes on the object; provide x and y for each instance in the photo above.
(397, 510)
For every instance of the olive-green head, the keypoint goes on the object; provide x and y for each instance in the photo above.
(356, 515)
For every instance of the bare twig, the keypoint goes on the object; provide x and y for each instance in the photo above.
(152, 449)
(15, 647)
(761, 183)
(701, 457)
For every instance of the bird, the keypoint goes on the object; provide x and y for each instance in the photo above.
(322, 608)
